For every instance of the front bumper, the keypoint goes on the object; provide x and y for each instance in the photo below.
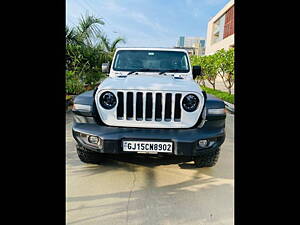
(185, 141)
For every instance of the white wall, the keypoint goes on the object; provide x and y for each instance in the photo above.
(225, 43)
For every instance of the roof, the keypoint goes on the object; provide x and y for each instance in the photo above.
(152, 48)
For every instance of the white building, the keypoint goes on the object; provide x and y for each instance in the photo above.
(220, 30)
(194, 45)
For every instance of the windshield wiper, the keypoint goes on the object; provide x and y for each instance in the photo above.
(131, 72)
(166, 71)
(141, 70)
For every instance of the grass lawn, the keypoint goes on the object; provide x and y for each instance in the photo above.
(219, 94)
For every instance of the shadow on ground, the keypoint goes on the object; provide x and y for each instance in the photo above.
(190, 196)
(197, 200)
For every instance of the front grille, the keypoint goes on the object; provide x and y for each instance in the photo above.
(149, 106)
(149, 109)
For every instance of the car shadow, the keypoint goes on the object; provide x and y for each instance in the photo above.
(148, 160)
(134, 205)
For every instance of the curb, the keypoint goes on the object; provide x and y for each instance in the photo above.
(229, 107)
(68, 110)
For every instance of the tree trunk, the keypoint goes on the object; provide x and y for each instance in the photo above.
(229, 90)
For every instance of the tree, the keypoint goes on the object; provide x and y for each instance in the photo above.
(110, 48)
(80, 49)
(87, 47)
(84, 33)
(209, 69)
(225, 64)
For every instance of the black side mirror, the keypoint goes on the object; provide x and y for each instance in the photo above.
(196, 71)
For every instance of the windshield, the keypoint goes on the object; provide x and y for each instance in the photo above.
(148, 61)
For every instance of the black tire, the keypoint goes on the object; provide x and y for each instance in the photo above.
(88, 156)
(207, 159)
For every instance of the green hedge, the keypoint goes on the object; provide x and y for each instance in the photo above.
(219, 94)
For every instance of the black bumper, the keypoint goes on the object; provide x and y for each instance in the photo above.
(185, 141)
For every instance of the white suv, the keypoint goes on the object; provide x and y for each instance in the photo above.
(149, 103)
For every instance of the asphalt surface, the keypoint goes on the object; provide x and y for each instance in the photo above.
(144, 190)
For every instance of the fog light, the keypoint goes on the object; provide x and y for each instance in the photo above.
(203, 143)
(90, 140)
(93, 139)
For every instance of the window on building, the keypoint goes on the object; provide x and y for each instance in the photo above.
(229, 23)
(202, 43)
(224, 26)
(218, 29)
(215, 37)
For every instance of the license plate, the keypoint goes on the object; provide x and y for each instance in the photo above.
(147, 146)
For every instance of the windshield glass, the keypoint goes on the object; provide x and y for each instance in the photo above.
(146, 60)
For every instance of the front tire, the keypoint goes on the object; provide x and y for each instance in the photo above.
(207, 159)
(88, 156)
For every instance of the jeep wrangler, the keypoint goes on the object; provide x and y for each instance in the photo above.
(149, 103)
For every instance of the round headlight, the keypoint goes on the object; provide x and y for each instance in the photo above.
(190, 102)
(108, 100)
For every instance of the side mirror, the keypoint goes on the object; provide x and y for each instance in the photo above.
(196, 71)
(105, 67)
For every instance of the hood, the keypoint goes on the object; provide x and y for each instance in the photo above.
(150, 82)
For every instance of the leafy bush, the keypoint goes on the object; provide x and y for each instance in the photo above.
(73, 83)
(209, 68)
(225, 63)
(219, 64)
(90, 78)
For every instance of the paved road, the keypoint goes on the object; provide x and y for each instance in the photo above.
(149, 190)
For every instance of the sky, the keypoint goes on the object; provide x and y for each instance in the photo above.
(147, 23)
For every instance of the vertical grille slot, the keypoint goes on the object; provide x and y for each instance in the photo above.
(168, 104)
(177, 115)
(120, 108)
(139, 106)
(158, 107)
(129, 106)
(149, 106)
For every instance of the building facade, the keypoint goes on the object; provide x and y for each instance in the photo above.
(220, 30)
(194, 45)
